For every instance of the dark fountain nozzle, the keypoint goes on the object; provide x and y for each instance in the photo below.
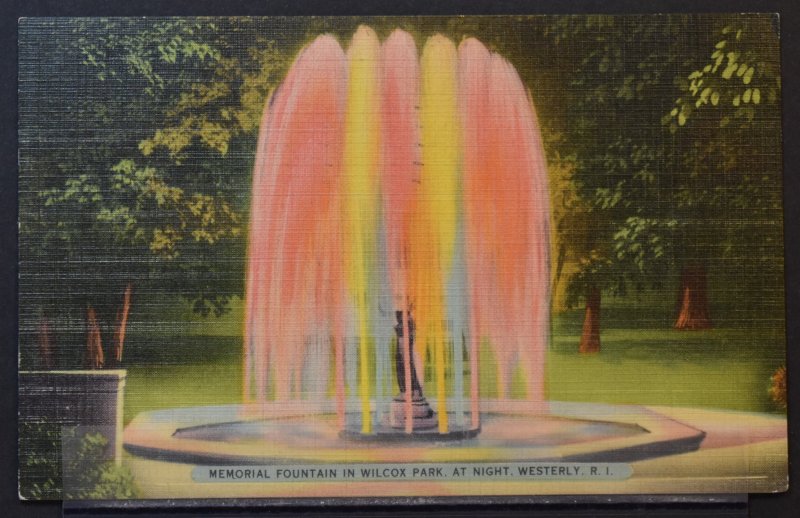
(424, 420)
(422, 414)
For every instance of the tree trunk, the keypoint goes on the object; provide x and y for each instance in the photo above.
(590, 337)
(94, 343)
(561, 259)
(106, 319)
(693, 312)
(122, 324)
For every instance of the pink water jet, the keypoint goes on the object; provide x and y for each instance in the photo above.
(428, 196)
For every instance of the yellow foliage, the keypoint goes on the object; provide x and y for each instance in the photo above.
(164, 242)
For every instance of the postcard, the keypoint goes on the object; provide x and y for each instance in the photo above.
(418, 257)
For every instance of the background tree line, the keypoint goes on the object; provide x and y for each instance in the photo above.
(137, 139)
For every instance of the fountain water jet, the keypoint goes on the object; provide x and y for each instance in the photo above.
(386, 180)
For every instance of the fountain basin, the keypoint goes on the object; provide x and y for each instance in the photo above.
(304, 432)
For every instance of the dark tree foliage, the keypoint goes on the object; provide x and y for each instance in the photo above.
(136, 145)
(138, 135)
(726, 139)
(673, 129)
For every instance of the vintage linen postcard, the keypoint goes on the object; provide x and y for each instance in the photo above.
(400, 256)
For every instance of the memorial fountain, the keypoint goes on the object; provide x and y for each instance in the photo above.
(388, 184)
(397, 289)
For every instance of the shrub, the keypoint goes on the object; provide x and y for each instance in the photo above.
(90, 476)
(777, 389)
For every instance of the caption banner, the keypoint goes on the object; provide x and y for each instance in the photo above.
(467, 471)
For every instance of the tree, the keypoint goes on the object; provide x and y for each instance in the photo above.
(659, 191)
(612, 103)
(726, 133)
(135, 136)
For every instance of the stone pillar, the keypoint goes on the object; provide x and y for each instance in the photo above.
(90, 400)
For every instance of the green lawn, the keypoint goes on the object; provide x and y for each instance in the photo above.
(643, 360)
(194, 383)
(710, 368)
(642, 363)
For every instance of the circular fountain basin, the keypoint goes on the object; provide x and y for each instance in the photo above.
(300, 432)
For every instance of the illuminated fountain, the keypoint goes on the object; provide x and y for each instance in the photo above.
(389, 184)
(397, 276)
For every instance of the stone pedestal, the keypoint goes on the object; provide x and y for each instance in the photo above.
(91, 401)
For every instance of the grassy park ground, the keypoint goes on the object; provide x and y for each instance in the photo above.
(642, 361)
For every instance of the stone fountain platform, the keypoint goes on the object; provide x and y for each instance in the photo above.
(302, 432)
(670, 450)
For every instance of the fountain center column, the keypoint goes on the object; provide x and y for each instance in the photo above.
(422, 415)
